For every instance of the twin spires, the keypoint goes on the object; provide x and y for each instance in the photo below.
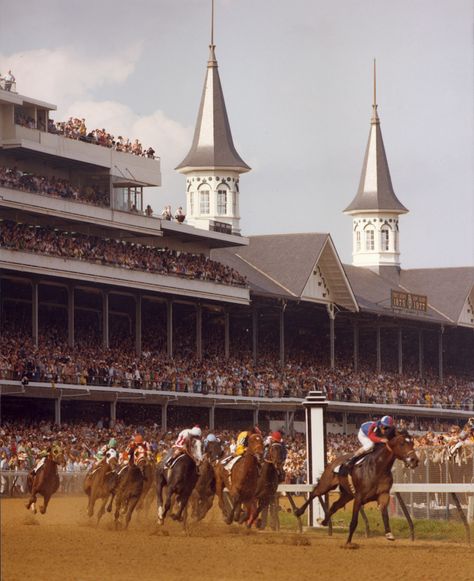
(375, 208)
(212, 165)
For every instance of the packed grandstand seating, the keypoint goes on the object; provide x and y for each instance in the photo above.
(88, 363)
(127, 255)
(75, 128)
(12, 177)
(21, 443)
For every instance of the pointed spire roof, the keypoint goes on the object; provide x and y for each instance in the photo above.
(375, 191)
(212, 146)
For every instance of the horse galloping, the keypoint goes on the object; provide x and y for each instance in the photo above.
(202, 496)
(268, 480)
(369, 481)
(240, 482)
(130, 487)
(45, 480)
(99, 484)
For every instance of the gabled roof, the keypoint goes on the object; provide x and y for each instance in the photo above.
(447, 289)
(282, 265)
(375, 191)
(212, 146)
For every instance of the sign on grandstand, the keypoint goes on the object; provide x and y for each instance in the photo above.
(409, 301)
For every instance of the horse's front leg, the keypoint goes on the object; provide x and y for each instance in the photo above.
(355, 518)
(252, 512)
(235, 505)
(383, 501)
(159, 500)
(91, 504)
(46, 498)
(32, 502)
(132, 502)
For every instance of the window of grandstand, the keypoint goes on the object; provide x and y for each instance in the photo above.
(385, 238)
(369, 239)
(129, 199)
(204, 202)
(222, 202)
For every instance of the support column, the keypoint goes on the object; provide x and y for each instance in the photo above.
(400, 351)
(356, 346)
(164, 416)
(199, 331)
(255, 334)
(332, 316)
(113, 413)
(70, 316)
(291, 423)
(212, 411)
(282, 334)
(287, 421)
(315, 405)
(420, 352)
(34, 312)
(105, 319)
(379, 350)
(226, 334)
(344, 422)
(57, 410)
(255, 417)
(440, 353)
(138, 325)
(169, 328)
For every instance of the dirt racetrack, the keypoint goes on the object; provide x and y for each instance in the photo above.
(63, 546)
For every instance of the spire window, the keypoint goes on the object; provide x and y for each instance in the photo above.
(191, 203)
(369, 239)
(358, 241)
(222, 202)
(385, 239)
(204, 202)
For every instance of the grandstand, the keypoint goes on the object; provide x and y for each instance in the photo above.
(108, 309)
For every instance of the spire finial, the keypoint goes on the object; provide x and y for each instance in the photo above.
(212, 56)
(375, 116)
(212, 22)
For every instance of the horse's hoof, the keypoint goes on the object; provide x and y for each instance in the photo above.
(298, 513)
(228, 520)
(42, 510)
(350, 546)
(322, 521)
(389, 537)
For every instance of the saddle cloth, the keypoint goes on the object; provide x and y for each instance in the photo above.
(360, 461)
(230, 462)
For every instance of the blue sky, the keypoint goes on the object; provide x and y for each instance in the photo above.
(298, 88)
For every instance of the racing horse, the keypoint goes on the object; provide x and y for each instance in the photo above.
(270, 476)
(149, 470)
(179, 480)
(202, 496)
(45, 480)
(370, 480)
(99, 484)
(240, 482)
(130, 486)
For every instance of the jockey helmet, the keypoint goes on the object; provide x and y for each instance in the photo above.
(276, 436)
(196, 432)
(138, 439)
(211, 438)
(112, 443)
(386, 422)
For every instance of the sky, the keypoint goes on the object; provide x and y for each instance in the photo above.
(297, 80)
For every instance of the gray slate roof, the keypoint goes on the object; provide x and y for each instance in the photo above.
(213, 145)
(375, 188)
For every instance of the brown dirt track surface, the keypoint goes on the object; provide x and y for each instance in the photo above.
(63, 546)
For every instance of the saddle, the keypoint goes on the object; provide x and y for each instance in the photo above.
(230, 462)
(360, 461)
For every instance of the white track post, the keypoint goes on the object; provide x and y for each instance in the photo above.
(315, 405)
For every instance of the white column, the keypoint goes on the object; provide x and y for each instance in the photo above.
(255, 417)
(57, 410)
(113, 413)
(315, 405)
(34, 311)
(212, 411)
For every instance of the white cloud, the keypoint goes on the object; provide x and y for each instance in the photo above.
(62, 75)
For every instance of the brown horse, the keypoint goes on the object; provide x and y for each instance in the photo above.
(202, 496)
(270, 476)
(99, 484)
(149, 470)
(130, 487)
(241, 483)
(369, 481)
(45, 480)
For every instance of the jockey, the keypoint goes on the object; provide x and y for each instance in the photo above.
(370, 433)
(41, 459)
(138, 443)
(209, 438)
(275, 437)
(188, 441)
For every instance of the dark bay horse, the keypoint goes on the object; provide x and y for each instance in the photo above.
(99, 484)
(369, 481)
(149, 471)
(202, 496)
(130, 487)
(271, 474)
(46, 480)
(240, 482)
(179, 481)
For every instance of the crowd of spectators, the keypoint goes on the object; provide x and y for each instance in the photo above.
(12, 177)
(75, 128)
(21, 443)
(120, 253)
